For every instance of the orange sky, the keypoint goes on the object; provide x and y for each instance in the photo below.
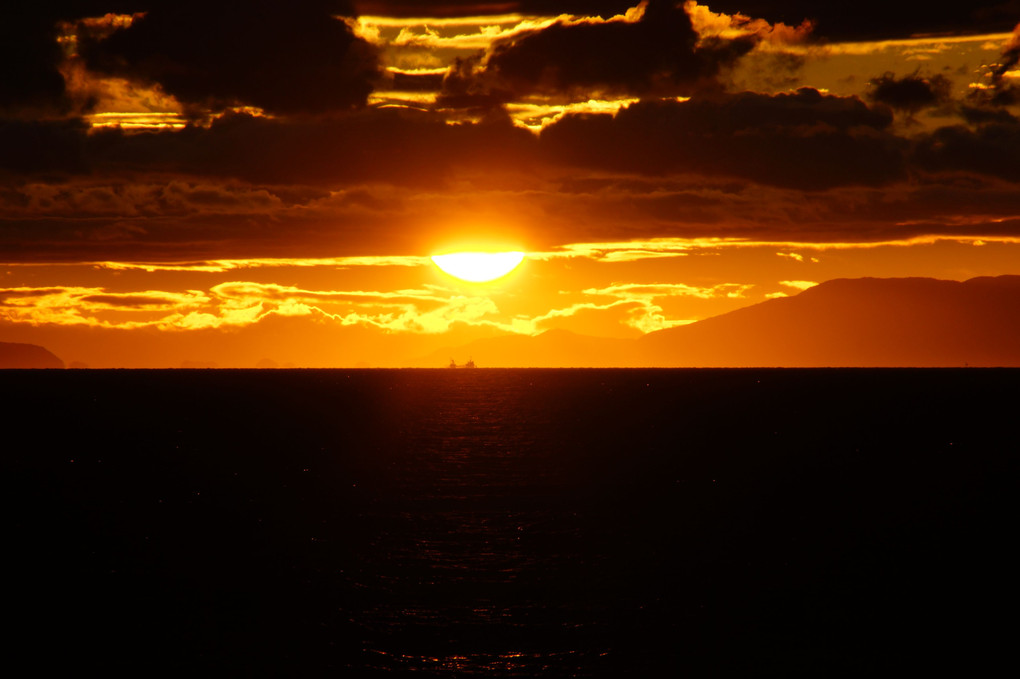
(174, 193)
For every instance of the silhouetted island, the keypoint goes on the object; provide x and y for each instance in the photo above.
(867, 322)
(16, 355)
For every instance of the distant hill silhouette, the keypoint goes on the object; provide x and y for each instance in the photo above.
(857, 322)
(843, 322)
(15, 355)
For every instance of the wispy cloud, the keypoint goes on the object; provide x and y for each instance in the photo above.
(648, 315)
(222, 265)
(621, 251)
(97, 307)
(931, 43)
(239, 303)
(799, 285)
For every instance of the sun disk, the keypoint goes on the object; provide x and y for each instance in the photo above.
(478, 267)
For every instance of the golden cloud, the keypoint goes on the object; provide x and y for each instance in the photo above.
(711, 24)
(91, 306)
(222, 265)
(799, 285)
(913, 45)
(618, 251)
(239, 303)
(647, 315)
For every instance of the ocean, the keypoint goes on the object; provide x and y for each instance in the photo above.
(511, 523)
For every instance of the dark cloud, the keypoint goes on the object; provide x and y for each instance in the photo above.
(30, 56)
(880, 19)
(281, 56)
(835, 20)
(1005, 94)
(696, 207)
(804, 140)
(89, 198)
(416, 82)
(392, 146)
(834, 175)
(131, 301)
(389, 146)
(9, 296)
(1003, 91)
(910, 93)
(978, 115)
(1010, 56)
(991, 149)
(30, 147)
(657, 55)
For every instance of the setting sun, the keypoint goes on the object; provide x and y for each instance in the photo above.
(503, 337)
(478, 267)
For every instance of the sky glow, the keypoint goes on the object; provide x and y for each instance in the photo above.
(659, 162)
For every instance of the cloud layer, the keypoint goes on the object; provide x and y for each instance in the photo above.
(282, 57)
(158, 140)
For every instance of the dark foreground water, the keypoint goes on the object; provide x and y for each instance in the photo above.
(643, 523)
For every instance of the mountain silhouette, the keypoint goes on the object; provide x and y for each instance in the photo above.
(15, 355)
(857, 322)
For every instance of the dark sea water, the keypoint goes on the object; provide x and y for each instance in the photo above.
(519, 523)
